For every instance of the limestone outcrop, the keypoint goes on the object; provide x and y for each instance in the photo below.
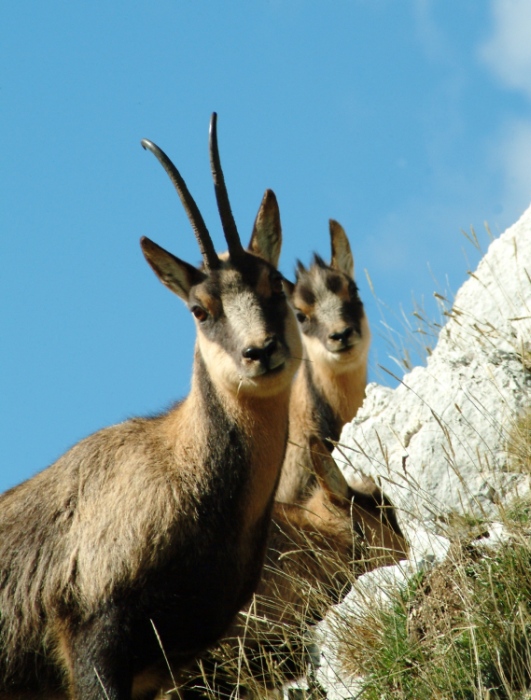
(438, 442)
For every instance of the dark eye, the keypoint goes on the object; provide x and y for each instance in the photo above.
(200, 314)
(300, 316)
(277, 286)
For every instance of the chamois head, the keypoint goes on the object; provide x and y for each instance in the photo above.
(247, 335)
(329, 309)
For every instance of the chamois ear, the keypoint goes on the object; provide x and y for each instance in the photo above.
(177, 275)
(299, 270)
(266, 239)
(289, 287)
(342, 259)
(328, 473)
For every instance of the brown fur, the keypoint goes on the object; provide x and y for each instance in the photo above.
(160, 521)
(330, 386)
(314, 552)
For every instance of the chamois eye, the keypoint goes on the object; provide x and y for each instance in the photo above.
(300, 316)
(277, 286)
(200, 314)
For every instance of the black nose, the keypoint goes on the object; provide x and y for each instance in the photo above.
(262, 354)
(342, 336)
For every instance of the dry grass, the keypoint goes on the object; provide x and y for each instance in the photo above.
(461, 630)
(272, 642)
(519, 444)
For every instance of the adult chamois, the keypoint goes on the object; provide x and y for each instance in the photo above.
(151, 534)
(330, 386)
(315, 551)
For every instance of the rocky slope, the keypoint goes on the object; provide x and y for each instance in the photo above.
(438, 442)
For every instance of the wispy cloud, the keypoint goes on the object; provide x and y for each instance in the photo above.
(432, 39)
(507, 51)
(513, 155)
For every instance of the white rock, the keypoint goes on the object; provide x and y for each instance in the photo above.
(425, 547)
(438, 441)
(376, 588)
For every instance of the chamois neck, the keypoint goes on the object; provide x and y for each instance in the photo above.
(220, 428)
(249, 411)
(344, 391)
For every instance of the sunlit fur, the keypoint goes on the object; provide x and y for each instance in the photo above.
(156, 522)
(330, 386)
(248, 326)
(315, 550)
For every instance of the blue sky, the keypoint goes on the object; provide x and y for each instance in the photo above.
(407, 121)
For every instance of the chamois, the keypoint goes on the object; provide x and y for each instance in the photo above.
(152, 533)
(314, 552)
(330, 386)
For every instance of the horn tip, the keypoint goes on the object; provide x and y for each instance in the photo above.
(148, 145)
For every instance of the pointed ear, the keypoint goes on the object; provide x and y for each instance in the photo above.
(176, 274)
(328, 473)
(289, 287)
(299, 270)
(342, 259)
(266, 238)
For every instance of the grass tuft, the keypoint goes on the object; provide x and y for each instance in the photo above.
(462, 629)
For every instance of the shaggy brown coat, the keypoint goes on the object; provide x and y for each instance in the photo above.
(315, 550)
(153, 532)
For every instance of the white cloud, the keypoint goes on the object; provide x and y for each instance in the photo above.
(513, 155)
(507, 52)
(432, 40)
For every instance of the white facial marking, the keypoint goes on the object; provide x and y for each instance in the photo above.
(246, 327)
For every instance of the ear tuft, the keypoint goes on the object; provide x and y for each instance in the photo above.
(289, 287)
(342, 259)
(299, 269)
(266, 239)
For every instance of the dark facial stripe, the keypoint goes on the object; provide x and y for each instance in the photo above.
(305, 293)
(352, 313)
(333, 283)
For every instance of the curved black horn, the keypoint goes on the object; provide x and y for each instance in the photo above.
(227, 219)
(206, 246)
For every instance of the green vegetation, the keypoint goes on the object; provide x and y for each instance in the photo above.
(461, 630)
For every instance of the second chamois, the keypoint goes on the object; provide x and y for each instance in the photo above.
(330, 385)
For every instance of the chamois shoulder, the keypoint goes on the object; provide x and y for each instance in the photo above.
(85, 531)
